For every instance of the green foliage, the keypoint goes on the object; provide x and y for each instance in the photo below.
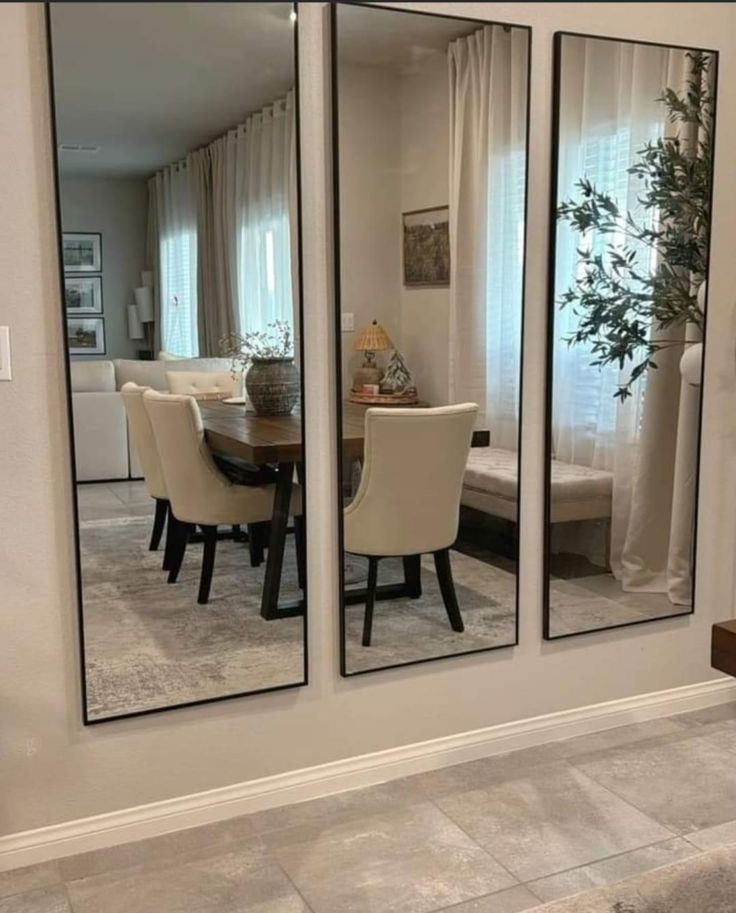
(618, 299)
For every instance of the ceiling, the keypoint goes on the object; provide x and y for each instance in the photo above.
(373, 36)
(149, 82)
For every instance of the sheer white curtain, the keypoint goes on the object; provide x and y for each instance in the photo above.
(176, 228)
(608, 111)
(226, 223)
(264, 152)
(488, 105)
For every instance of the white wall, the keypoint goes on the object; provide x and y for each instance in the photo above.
(425, 163)
(370, 182)
(117, 208)
(52, 768)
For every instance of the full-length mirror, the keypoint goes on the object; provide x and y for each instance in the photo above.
(632, 171)
(431, 145)
(176, 153)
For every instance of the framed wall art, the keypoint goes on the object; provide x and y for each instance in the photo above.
(426, 234)
(85, 336)
(82, 252)
(83, 294)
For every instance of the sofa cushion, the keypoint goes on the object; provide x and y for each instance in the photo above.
(92, 376)
(143, 373)
(153, 373)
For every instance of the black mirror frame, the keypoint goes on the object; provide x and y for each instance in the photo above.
(551, 312)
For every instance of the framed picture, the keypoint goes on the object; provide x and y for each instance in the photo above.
(83, 294)
(82, 252)
(427, 247)
(85, 335)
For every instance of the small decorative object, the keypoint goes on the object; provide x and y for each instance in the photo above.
(146, 317)
(271, 379)
(82, 252)
(372, 339)
(86, 336)
(371, 389)
(427, 247)
(397, 377)
(83, 294)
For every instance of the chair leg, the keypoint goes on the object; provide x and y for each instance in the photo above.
(370, 600)
(255, 544)
(171, 523)
(159, 519)
(301, 551)
(209, 535)
(447, 588)
(413, 575)
(180, 533)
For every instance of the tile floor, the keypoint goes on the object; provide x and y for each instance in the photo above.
(500, 835)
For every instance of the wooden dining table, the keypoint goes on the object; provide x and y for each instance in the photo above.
(276, 441)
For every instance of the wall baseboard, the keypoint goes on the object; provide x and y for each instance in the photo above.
(214, 805)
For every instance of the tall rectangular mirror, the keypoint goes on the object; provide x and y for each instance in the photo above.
(631, 204)
(431, 116)
(176, 165)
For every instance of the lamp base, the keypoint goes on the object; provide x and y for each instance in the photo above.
(366, 374)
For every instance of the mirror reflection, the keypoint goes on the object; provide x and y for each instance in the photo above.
(633, 162)
(432, 145)
(176, 168)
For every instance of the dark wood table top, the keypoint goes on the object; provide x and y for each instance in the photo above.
(260, 439)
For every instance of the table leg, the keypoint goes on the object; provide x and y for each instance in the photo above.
(270, 608)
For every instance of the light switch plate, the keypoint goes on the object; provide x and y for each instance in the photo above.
(5, 354)
(347, 322)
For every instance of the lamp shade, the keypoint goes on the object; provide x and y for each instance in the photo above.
(135, 327)
(147, 278)
(691, 364)
(373, 338)
(144, 303)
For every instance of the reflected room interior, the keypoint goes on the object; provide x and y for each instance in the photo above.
(431, 149)
(633, 168)
(176, 165)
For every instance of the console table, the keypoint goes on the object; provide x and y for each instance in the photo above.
(723, 647)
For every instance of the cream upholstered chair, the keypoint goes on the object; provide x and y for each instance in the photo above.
(408, 501)
(141, 432)
(199, 493)
(199, 382)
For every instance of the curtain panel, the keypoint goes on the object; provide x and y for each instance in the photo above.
(488, 91)
(223, 228)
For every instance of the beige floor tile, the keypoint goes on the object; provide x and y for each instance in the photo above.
(195, 842)
(29, 878)
(618, 737)
(45, 900)
(551, 819)
(411, 860)
(687, 784)
(293, 823)
(236, 882)
(612, 870)
(512, 900)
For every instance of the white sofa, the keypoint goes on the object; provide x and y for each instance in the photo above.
(101, 441)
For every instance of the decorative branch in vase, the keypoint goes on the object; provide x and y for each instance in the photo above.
(622, 303)
(266, 357)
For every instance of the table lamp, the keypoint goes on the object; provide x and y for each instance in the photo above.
(372, 339)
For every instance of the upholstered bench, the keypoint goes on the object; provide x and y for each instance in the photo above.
(491, 486)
